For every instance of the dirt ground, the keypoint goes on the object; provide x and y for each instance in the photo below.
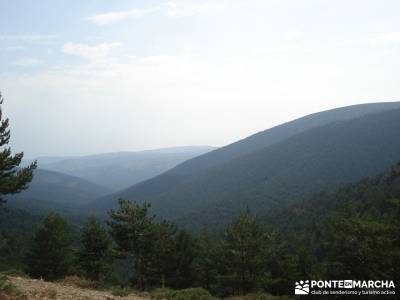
(32, 289)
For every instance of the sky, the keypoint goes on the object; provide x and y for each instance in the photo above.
(93, 76)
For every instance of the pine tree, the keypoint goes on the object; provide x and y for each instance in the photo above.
(280, 265)
(95, 255)
(49, 256)
(184, 255)
(12, 179)
(131, 229)
(205, 261)
(241, 254)
(160, 256)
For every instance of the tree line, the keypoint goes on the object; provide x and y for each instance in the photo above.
(356, 237)
(156, 253)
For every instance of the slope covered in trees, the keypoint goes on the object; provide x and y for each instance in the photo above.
(352, 232)
(316, 159)
(16, 229)
(54, 191)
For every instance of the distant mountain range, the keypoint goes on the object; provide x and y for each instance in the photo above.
(199, 186)
(274, 167)
(119, 170)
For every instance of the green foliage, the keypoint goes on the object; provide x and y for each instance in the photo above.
(161, 293)
(95, 254)
(131, 229)
(159, 256)
(122, 292)
(12, 179)
(353, 232)
(281, 265)
(183, 259)
(49, 256)
(350, 233)
(161, 253)
(16, 229)
(241, 254)
(7, 287)
(185, 294)
(192, 294)
(205, 260)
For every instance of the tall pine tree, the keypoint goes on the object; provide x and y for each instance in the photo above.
(241, 254)
(12, 178)
(131, 228)
(95, 255)
(50, 256)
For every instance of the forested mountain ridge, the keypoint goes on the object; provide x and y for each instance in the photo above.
(279, 133)
(323, 157)
(16, 229)
(119, 170)
(51, 190)
(350, 232)
(195, 166)
(370, 197)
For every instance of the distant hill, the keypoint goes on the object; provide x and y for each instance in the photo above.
(369, 196)
(317, 152)
(122, 169)
(56, 191)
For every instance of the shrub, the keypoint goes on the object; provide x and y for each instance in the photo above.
(186, 294)
(161, 293)
(79, 282)
(122, 292)
(193, 294)
(7, 287)
(15, 273)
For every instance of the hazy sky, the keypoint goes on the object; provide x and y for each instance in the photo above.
(92, 76)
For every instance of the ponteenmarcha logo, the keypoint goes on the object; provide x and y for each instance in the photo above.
(345, 287)
(302, 287)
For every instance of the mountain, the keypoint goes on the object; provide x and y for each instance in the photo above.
(16, 229)
(370, 198)
(56, 191)
(280, 165)
(121, 169)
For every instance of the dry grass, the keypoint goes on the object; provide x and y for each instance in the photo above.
(32, 289)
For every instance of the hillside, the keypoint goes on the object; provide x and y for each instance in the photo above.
(369, 196)
(350, 232)
(56, 191)
(122, 169)
(276, 134)
(322, 157)
(16, 229)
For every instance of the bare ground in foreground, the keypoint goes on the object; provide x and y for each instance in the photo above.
(33, 289)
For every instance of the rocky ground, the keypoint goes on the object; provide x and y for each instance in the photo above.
(31, 289)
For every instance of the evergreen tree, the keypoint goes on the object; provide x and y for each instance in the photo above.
(161, 253)
(184, 255)
(241, 254)
(280, 265)
(49, 256)
(205, 261)
(95, 255)
(131, 229)
(358, 248)
(12, 179)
